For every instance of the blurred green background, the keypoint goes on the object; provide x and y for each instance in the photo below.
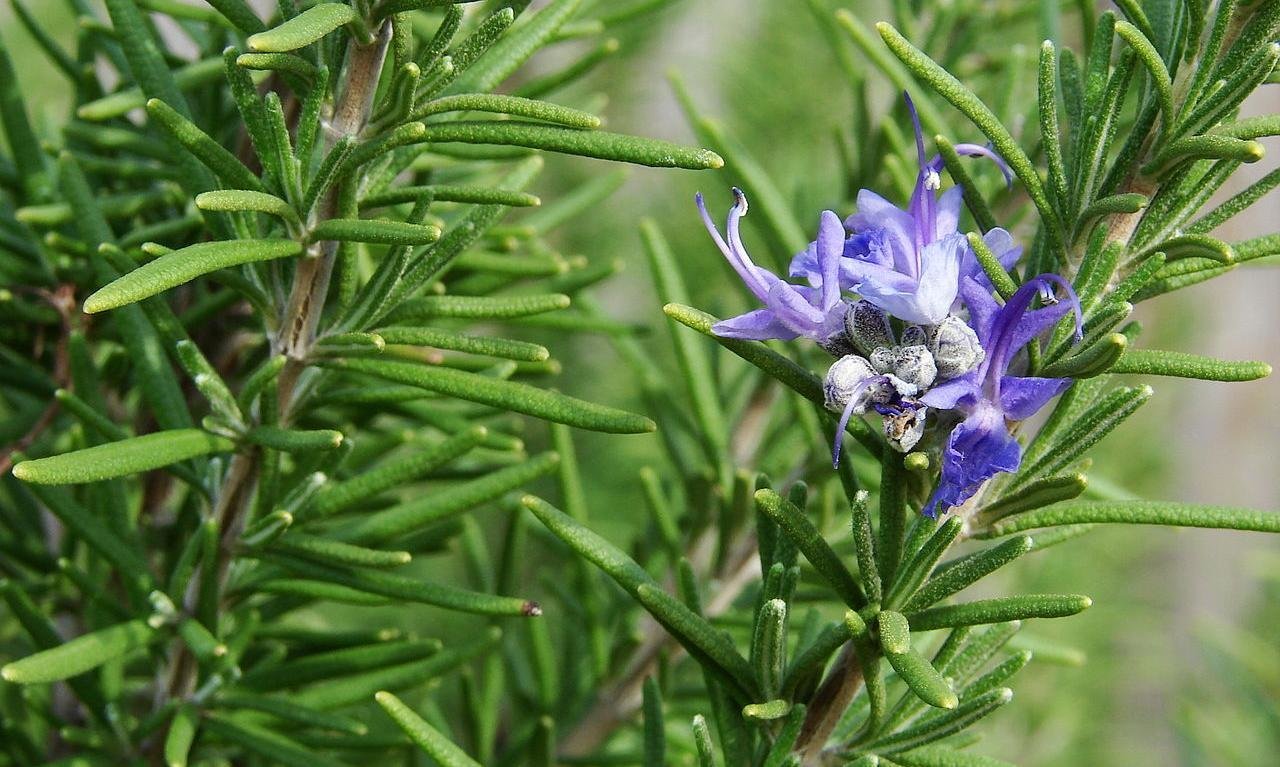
(1167, 680)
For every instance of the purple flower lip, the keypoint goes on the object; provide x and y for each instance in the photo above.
(791, 311)
(982, 446)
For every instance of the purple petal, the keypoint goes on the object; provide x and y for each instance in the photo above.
(759, 325)
(830, 247)
(898, 228)
(750, 274)
(978, 449)
(948, 212)
(982, 309)
(958, 392)
(1022, 397)
(939, 279)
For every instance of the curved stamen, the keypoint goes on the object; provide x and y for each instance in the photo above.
(732, 250)
(848, 413)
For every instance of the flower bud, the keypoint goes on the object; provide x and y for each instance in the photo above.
(914, 335)
(867, 327)
(883, 359)
(852, 376)
(955, 348)
(915, 365)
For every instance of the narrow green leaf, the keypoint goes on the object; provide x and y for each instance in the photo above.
(1183, 365)
(1094, 359)
(916, 569)
(278, 62)
(288, 711)
(374, 231)
(243, 199)
(598, 144)
(295, 440)
(1141, 513)
(391, 474)
(1138, 40)
(1041, 492)
(432, 741)
(145, 55)
(1000, 609)
(118, 459)
(655, 740)
(446, 339)
(1082, 434)
(912, 667)
(1203, 147)
(508, 395)
(991, 266)
(81, 654)
(510, 105)
(399, 587)
(304, 29)
(240, 14)
(514, 48)
(445, 504)
(936, 727)
(327, 551)
(479, 195)
(189, 77)
(182, 266)
(1050, 131)
(809, 540)
(276, 748)
(480, 307)
(181, 734)
(945, 756)
(370, 654)
(769, 646)
(359, 687)
(959, 574)
(203, 147)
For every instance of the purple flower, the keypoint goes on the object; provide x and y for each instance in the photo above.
(815, 312)
(909, 262)
(981, 446)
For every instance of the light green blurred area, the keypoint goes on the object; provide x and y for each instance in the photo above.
(765, 71)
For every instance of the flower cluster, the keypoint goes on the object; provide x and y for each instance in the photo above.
(925, 332)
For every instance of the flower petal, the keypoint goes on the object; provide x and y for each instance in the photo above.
(1022, 396)
(759, 325)
(978, 449)
(948, 212)
(962, 391)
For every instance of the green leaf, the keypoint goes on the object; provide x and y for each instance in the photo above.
(1183, 365)
(182, 266)
(81, 654)
(240, 14)
(1084, 432)
(598, 144)
(999, 610)
(225, 200)
(203, 147)
(122, 458)
(809, 540)
(346, 661)
(698, 636)
(769, 646)
(510, 105)
(945, 756)
(480, 307)
(446, 339)
(276, 748)
(304, 29)
(359, 687)
(288, 711)
(331, 552)
(508, 395)
(513, 49)
(916, 569)
(479, 195)
(1203, 147)
(1137, 39)
(655, 741)
(294, 440)
(447, 503)
(278, 62)
(1141, 513)
(956, 575)
(1041, 492)
(918, 674)
(374, 231)
(936, 727)
(1094, 359)
(432, 741)
(391, 474)
(181, 734)
(399, 587)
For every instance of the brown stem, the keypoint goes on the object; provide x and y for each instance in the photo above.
(829, 704)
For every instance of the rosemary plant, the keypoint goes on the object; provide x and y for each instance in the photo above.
(272, 353)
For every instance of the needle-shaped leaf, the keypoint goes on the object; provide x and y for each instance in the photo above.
(920, 676)
(215, 157)
(512, 105)
(432, 741)
(375, 232)
(508, 395)
(85, 652)
(958, 574)
(514, 48)
(446, 339)
(1141, 513)
(809, 540)
(999, 610)
(598, 144)
(1184, 365)
(122, 458)
(181, 266)
(304, 29)
(225, 200)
